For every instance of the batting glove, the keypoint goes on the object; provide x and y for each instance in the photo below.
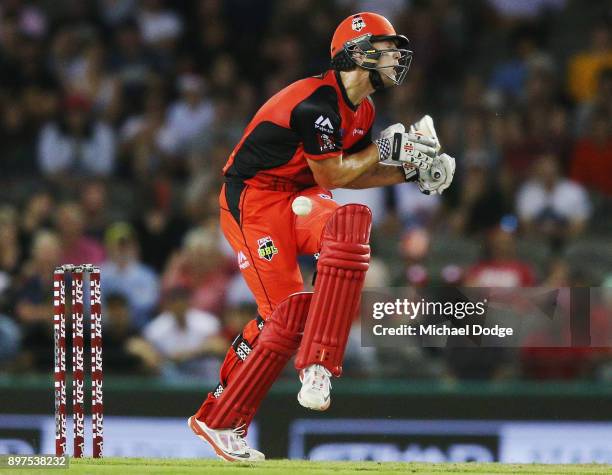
(438, 177)
(396, 145)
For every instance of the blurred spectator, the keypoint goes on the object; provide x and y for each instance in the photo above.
(478, 148)
(10, 340)
(157, 24)
(509, 77)
(238, 295)
(125, 352)
(211, 35)
(76, 247)
(64, 54)
(36, 279)
(124, 274)
(184, 335)
(187, 118)
(223, 74)
(160, 230)
(34, 302)
(15, 132)
(601, 103)
(94, 202)
(30, 19)
(133, 63)
(139, 138)
(551, 205)
(592, 160)
(37, 215)
(92, 81)
(77, 144)
(585, 66)
(413, 207)
(29, 78)
(530, 132)
(414, 247)
(202, 268)
(114, 12)
(500, 267)
(10, 255)
(477, 201)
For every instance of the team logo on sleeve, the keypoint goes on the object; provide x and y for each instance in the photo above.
(358, 24)
(266, 248)
(326, 143)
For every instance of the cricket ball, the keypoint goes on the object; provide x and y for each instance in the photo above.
(301, 206)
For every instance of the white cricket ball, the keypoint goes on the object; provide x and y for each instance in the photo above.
(301, 206)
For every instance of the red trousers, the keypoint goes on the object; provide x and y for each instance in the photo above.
(267, 238)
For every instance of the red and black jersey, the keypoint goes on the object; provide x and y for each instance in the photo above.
(311, 118)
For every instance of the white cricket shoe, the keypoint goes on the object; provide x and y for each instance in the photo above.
(315, 388)
(229, 444)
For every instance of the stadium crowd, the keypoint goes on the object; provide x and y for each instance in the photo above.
(116, 117)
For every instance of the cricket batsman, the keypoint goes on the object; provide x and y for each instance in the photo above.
(311, 137)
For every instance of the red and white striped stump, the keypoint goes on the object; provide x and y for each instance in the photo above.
(77, 274)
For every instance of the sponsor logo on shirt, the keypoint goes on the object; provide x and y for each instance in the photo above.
(266, 248)
(243, 262)
(358, 131)
(324, 125)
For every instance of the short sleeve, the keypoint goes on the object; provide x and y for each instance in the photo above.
(317, 122)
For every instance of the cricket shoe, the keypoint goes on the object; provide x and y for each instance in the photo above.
(229, 444)
(315, 388)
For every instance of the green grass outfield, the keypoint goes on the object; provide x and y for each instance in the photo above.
(120, 466)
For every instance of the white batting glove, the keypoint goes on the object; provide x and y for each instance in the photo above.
(425, 126)
(398, 146)
(438, 177)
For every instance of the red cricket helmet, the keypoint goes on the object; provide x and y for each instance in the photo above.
(356, 34)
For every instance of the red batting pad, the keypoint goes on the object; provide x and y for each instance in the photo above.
(277, 343)
(343, 262)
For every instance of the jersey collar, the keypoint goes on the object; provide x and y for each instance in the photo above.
(345, 97)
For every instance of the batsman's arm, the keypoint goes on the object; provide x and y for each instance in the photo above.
(379, 174)
(358, 170)
(339, 170)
